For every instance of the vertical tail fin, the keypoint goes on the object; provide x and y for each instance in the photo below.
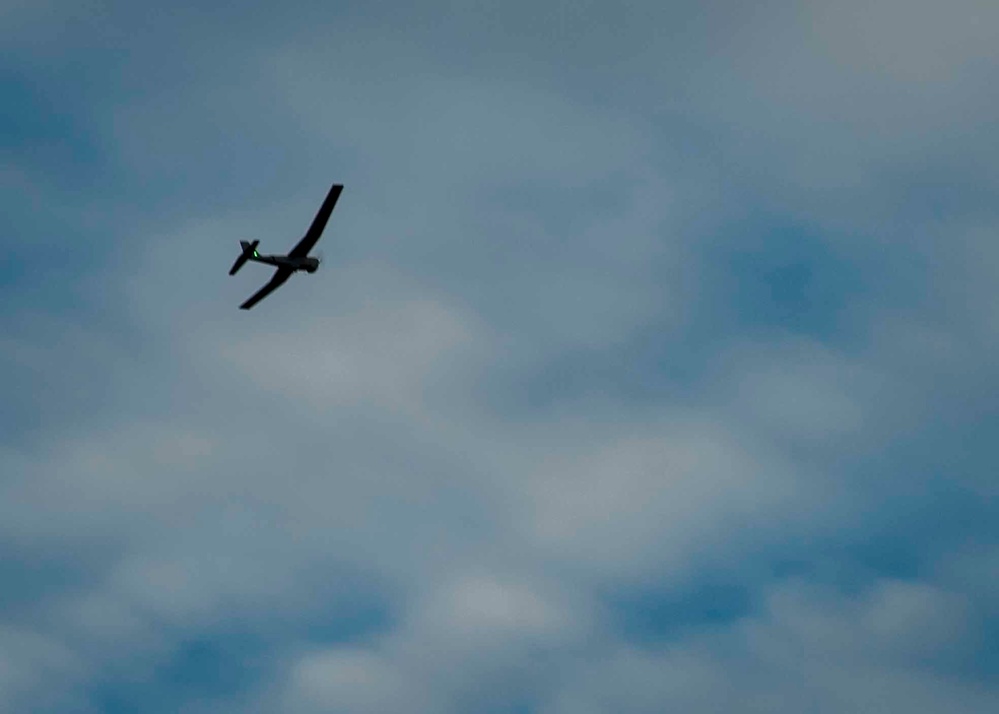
(248, 250)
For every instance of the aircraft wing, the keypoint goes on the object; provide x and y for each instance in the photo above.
(280, 275)
(318, 224)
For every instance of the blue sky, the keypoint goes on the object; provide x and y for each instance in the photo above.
(651, 365)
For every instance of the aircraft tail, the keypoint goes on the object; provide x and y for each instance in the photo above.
(248, 250)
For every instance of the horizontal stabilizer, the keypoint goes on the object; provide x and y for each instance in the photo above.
(248, 249)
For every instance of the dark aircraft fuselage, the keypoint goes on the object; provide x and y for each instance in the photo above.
(308, 263)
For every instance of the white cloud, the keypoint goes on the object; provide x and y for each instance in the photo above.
(489, 610)
(29, 663)
(651, 500)
(796, 391)
(455, 128)
(473, 636)
(385, 355)
(350, 681)
(915, 44)
(808, 649)
(851, 115)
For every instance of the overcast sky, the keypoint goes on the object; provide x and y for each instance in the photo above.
(652, 365)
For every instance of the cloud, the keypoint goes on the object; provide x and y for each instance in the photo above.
(894, 643)
(28, 661)
(476, 636)
(542, 377)
(806, 647)
(642, 503)
(349, 681)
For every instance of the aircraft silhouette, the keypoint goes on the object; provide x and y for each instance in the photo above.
(297, 259)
